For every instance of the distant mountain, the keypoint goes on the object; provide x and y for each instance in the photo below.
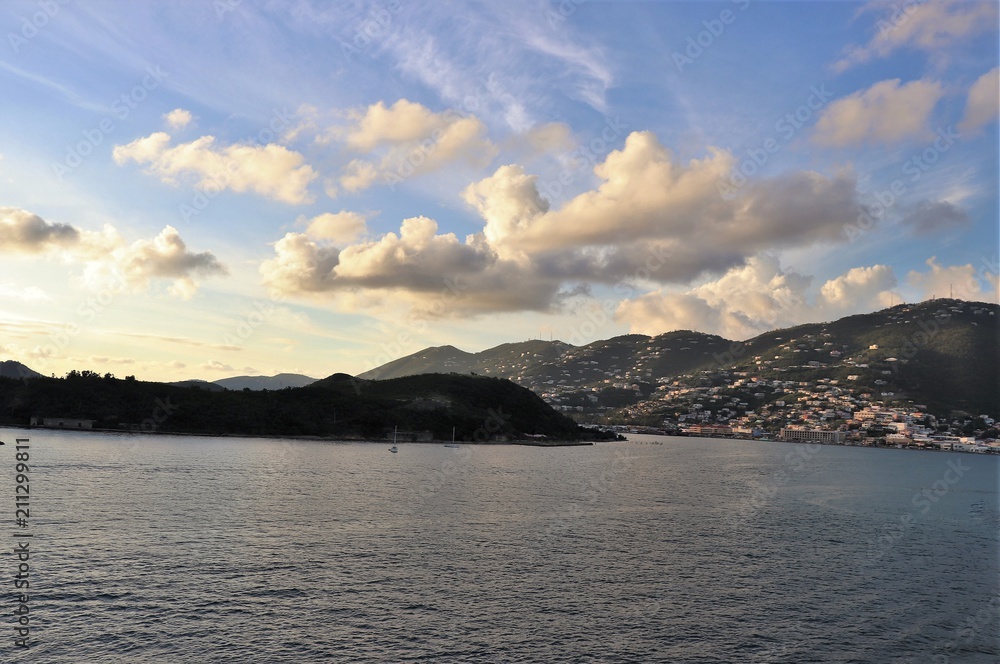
(277, 382)
(940, 353)
(198, 384)
(448, 359)
(12, 369)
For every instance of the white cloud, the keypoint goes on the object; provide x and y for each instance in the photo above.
(651, 220)
(178, 118)
(105, 254)
(408, 139)
(340, 228)
(24, 232)
(550, 137)
(403, 122)
(358, 175)
(755, 297)
(12, 291)
(165, 257)
(859, 289)
(887, 112)
(648, 200)
(215, 365)
(964, 282)
(983, 105)
(270, 170)
(429, 273)
(933, 27)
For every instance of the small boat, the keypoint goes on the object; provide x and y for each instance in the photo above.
(451, 445)
(393, 449)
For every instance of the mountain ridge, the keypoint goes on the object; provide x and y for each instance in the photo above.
(947, 359)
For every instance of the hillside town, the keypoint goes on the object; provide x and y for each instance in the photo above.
(810, 388)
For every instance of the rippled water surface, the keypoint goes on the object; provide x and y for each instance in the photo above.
(174, 549)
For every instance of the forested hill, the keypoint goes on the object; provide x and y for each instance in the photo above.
(478, 408)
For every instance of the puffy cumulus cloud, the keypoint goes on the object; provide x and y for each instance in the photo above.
(755, 297)
(270, 170)
(24, 232)
(461, 141)
(436, 274)
(746, 300)
(887, 112)
(401, 141)
(106, 254)
(340, 228)
(416, 258)
(357, 176)
(932, 216)
(403, 122)
(178, 118)
(965, 282)
(300, 266)
(508, 200)
(860, 289)
(651, 220)
(932, 27)
(165, 257)
(649, 202)
(983, 105)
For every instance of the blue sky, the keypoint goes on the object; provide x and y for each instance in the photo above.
(231, 187)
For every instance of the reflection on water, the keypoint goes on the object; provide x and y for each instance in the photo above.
(694, 550)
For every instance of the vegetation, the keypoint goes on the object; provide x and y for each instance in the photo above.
(478, 408)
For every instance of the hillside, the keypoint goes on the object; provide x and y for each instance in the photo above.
(11, 369)
(478, 408)
(448, 359)
(276, 382)
(942, 354)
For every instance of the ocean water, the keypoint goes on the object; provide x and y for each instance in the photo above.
(187, 549)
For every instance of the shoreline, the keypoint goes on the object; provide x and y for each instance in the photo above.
(323, 439)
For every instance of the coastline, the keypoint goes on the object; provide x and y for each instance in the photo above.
(327, 439)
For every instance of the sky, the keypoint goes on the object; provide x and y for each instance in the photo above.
(229, 187)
